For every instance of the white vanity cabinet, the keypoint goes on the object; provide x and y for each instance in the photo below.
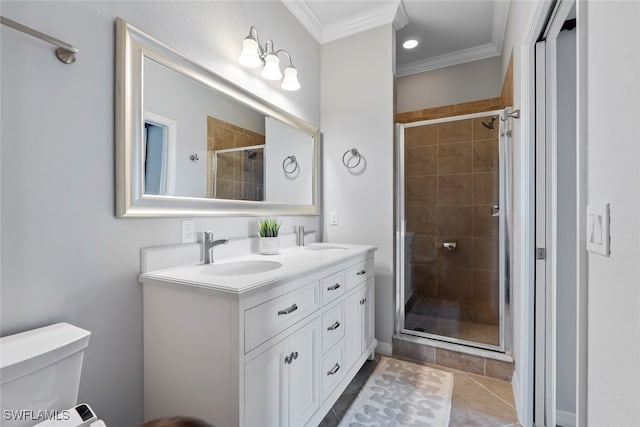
(268, 350)
(360, 321)
(282, 385)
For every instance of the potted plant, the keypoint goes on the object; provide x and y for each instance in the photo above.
(269, 243)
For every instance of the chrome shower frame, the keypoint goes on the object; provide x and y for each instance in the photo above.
(505, 176)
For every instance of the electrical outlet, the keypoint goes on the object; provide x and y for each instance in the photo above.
(333, 218)
(188, 231)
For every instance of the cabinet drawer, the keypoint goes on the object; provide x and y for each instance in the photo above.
(332, 369)
(332, 287)
(332, 326)
(358, 274)
(266, 320)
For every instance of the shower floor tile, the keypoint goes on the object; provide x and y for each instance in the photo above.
(441, 319)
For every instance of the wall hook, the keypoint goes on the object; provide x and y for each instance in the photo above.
(194, 157)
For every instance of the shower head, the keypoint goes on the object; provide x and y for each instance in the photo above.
(251, 154)
(489, 123)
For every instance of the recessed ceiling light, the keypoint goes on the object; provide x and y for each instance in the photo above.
(410, 43)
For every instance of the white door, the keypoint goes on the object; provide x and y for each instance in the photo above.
(265, 385)
(368, 319)
(304, 373)
(353, 328)
(556, 216)
(541, 239)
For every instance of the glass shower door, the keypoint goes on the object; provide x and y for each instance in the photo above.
(451, 230)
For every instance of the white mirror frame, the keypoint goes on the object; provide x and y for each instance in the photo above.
(132, 46)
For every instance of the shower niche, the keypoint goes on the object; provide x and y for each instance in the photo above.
(452, 212)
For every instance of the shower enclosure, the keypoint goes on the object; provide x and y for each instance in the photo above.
(452, 230)
(238, 173)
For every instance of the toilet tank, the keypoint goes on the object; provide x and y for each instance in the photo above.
(40, 372)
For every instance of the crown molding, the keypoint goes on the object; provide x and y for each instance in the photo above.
(488, 50)
(500, 16)
(401, 18)
(448, 59)
(306, 16)
(392, 12)
(383, 14)
(395, 12)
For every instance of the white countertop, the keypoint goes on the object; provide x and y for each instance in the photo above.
(295, 261)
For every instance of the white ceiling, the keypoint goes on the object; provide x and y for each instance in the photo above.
(451, 31)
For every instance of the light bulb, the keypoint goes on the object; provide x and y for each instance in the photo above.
(410, 43)
(271, 69)
(249, 56)
(290, 81)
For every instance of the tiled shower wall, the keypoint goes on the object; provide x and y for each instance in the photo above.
(451, 184)
(247, 173)
(237, 177)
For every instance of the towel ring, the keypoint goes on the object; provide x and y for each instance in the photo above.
(354, 153)
(292, 161)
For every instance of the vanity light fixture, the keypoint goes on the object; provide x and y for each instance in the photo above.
(253, 56)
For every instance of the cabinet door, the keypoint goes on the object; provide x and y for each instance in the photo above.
(304, 373)
(265, 388)
(368, 315)
(353, 328)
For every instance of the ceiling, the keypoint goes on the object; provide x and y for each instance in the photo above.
(450, 31)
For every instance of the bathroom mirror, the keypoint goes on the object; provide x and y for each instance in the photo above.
(190, 143)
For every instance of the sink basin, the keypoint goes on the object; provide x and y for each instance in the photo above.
(321, 247)
(240, 268)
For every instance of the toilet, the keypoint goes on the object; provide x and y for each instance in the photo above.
(39, 378)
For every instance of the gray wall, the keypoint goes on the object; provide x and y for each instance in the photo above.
(612, 134)
(357, 111)
(65, 257)
(451, 85)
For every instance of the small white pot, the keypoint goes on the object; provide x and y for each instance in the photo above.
(269, 245)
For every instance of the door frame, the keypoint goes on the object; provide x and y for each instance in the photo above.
(524, 215)
(545, 98)
(505, 345)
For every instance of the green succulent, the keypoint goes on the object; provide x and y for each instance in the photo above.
(268, 227)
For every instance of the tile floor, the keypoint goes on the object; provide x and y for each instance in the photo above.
(477, 401)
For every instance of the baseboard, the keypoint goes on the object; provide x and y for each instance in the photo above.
(384, 348)
(517, 397)
(565, 418)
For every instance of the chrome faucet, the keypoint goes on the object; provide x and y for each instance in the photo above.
(300, 235)
(209, 244)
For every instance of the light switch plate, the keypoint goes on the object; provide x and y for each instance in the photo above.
(333, 218)
(188, 231)
(598, 229)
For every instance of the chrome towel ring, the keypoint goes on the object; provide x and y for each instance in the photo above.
(354, 153)
(291, 166)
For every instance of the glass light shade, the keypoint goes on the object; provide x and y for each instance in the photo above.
(249, 56)
(271, 69)
(290, 81)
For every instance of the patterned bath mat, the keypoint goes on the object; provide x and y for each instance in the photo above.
(400, 393)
